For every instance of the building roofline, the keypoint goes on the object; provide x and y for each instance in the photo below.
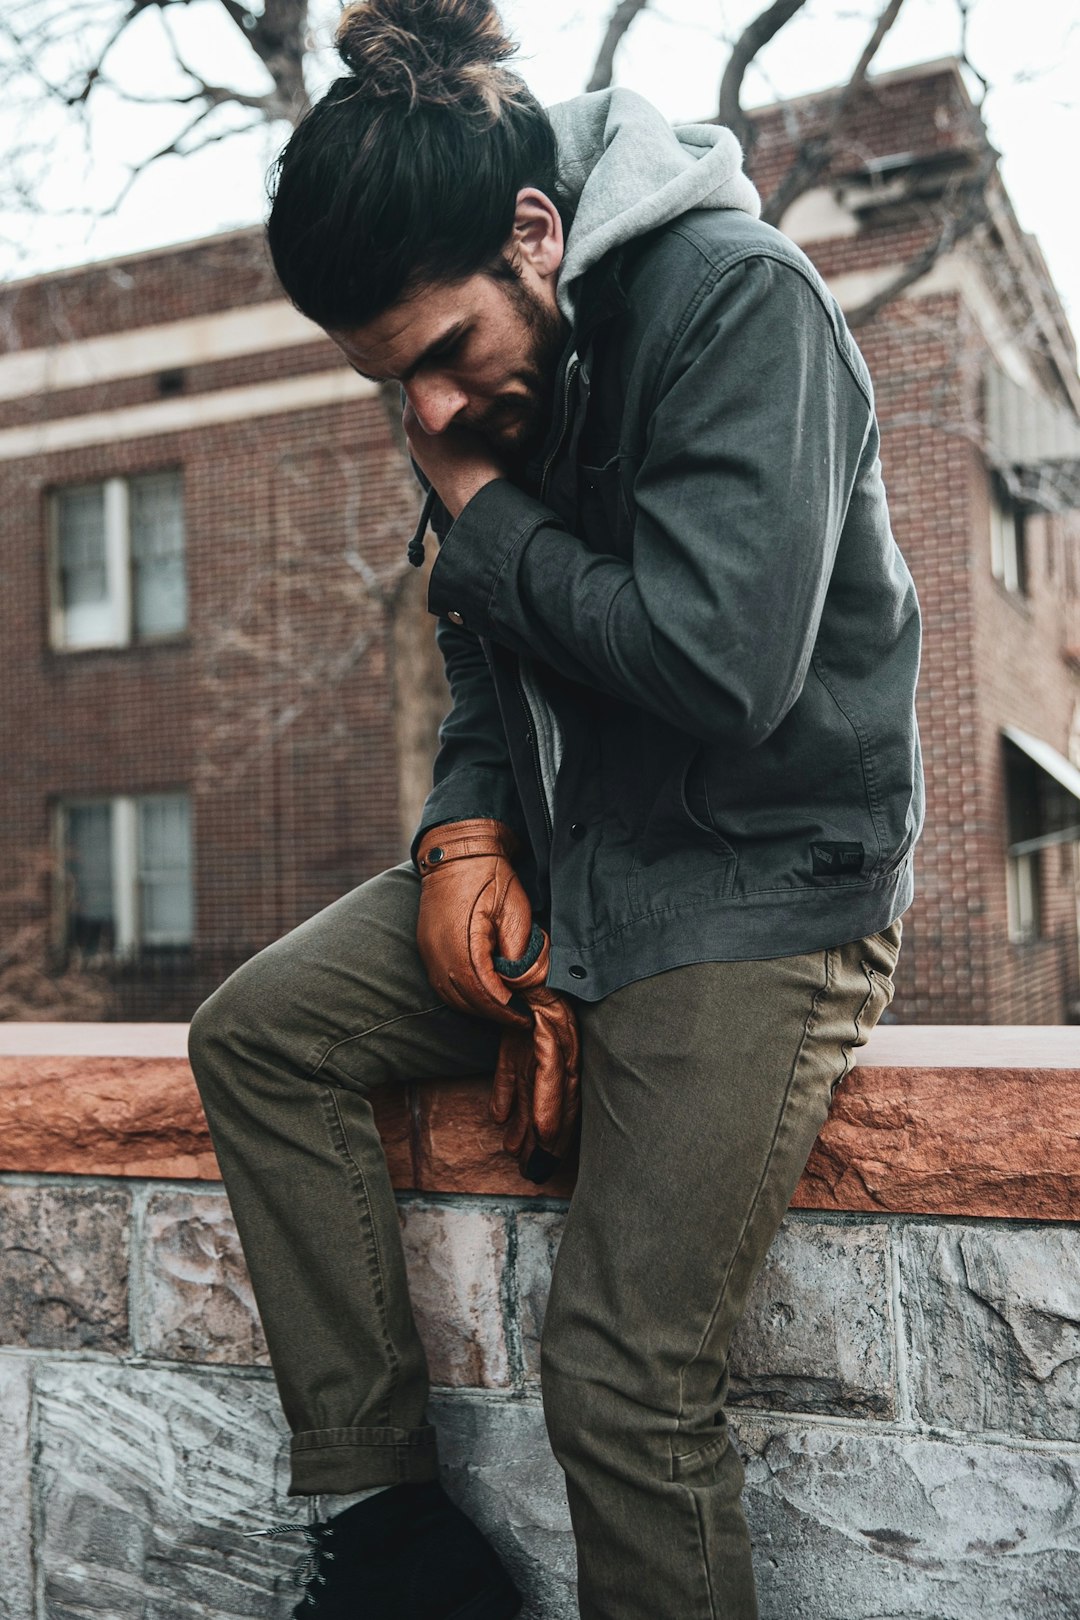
(1021, 247)
(940, 66)
(89, 266)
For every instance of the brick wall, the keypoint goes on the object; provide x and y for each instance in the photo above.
(144, 289)
(274, 708)
(991, 657)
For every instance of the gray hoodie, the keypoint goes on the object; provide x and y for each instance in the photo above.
(627, 170)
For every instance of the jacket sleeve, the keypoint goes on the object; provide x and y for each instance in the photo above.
(472, 775)
(750, 454)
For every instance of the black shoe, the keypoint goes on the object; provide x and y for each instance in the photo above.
(406, 1554)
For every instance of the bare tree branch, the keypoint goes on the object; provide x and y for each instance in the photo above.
(965, 208)
(618, 25)
(754, 37)
(175, 148)
(83, 94)
(814, 153)
(278, 39)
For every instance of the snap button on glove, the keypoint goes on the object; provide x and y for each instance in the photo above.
(472, 909)
(537, 1089)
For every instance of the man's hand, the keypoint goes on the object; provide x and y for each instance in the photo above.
(472, 908)
(537, 1090)
(457, 463)
(485, 956)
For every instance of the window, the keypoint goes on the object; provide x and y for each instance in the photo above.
(1022, 891)
(129, 873)
(1007, 536)
(118, 561)
(1025, 821)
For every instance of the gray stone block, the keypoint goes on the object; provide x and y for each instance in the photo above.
(863, 1526)
(992, 1317)
(146, 1480)
(455, 1259)
(817, 1333)
(538, 1235)
(196, 1301)
(64, 1267)
(497, 1464)
(16, 1556)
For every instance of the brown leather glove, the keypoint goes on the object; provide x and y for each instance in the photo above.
(472, 909)
(537, 1091)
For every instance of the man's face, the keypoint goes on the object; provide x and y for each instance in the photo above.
(479, 354)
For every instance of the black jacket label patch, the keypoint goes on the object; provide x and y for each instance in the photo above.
(836, 860)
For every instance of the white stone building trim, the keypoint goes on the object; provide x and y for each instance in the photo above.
(182, 414)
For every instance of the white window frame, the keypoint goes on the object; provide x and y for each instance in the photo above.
(1022, 878)
(1006, 544)
(118, 569)
(124, 832)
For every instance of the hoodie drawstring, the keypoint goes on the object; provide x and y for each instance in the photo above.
(416, 544)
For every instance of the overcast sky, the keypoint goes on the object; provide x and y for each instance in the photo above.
(675, 55)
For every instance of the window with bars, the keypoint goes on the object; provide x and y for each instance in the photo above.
(118, 561)
(128, 868)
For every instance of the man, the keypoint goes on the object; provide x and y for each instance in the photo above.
(673, 809)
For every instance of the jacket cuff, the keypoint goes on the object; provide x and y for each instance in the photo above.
(476, 553)
(466, 795)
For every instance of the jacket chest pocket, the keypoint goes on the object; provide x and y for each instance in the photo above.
(604, 521)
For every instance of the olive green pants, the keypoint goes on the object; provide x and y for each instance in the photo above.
(703, 1089)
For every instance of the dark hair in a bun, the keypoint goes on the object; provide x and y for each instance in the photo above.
(408, 169)
(439, 53)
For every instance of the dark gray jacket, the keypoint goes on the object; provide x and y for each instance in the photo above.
(683, 658)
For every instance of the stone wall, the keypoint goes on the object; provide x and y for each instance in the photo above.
(905, 1394)
(904, 1388)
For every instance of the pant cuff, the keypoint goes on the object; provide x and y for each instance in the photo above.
(336, 1461)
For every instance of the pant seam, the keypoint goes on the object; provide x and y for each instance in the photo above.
(737, 1249)
(373, 1255)
(402, 1439)
(699, 1519)
(422, 1012)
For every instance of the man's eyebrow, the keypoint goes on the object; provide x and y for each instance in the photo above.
(434, 348)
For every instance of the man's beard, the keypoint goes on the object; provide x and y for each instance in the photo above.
(515, 423)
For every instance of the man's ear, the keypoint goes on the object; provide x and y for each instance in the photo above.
(537, 237)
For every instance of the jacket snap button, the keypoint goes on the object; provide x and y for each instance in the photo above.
(434, 856)
(455, 617)
(576, 971)
(577, 829)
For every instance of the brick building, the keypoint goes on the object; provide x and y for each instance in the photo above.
(974, 369)
(208, 641)
(203, 577)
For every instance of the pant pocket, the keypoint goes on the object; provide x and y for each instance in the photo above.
(703, 1465)
(878, 994)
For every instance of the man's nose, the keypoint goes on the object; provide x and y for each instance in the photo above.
(436, 402)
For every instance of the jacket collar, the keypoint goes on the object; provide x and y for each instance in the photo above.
(601, 298)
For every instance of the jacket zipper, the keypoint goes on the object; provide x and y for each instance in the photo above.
(568, 382)
(546, 738)
(543, 724)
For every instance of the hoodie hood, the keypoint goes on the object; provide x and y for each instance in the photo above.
(627, 170)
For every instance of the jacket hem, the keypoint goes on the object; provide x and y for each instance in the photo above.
(782, 923)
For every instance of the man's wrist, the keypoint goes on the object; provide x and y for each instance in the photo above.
(457, 498)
